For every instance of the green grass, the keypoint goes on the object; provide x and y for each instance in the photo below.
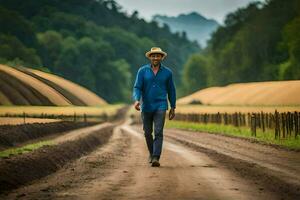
(244, 132)
(25, 149)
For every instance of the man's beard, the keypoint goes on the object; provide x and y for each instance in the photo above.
(156, 65)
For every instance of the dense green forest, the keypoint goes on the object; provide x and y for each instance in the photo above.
(91, 42)
(260, 42)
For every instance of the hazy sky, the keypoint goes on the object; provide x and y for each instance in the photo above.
(216, 9)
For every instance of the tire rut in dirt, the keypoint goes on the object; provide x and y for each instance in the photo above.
(251, 171)
(134, 178)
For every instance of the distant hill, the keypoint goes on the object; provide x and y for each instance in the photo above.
(283, 93)
(195, 25)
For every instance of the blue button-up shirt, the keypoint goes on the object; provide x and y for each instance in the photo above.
(154, 90)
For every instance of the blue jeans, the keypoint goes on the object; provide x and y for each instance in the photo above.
(158, 119)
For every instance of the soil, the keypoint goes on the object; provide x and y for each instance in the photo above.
(17, 135)
(193, 166)
(21, 169)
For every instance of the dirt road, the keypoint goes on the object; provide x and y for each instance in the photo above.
(192, 167)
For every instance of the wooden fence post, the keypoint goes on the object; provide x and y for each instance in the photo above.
(253, 124)
(288, 124)
(268, 120)
(263, 120)
(241, 119)
(235, 119)
(226, 118)
(258, 119)
(296, 124)
(277, 125)
(249, 119)
(283, 124)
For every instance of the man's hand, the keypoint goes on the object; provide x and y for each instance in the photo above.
(137, 105)
(171, 113)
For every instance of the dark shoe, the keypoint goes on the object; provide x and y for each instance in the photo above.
(155, 162)
(150, 159)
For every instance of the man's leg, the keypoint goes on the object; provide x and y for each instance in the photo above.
(159, 122)
(147, 118)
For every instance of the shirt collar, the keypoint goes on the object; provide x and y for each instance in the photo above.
(160, 67)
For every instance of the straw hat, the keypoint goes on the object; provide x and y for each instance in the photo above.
(156, 50)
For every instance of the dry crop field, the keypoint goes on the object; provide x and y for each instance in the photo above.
(271, 93)
(25, 86)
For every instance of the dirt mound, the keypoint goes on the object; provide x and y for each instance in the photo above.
(24, 168)
(256, 93)
(14, 135)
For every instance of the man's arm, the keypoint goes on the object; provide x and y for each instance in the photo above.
(137, 90)
(172, 97)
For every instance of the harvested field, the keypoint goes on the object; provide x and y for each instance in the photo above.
(48, 92)
(282, 93)
(75, 93)
(31, 95)
(82, 94)
(73, 99)
(12, 94)
(25, 86)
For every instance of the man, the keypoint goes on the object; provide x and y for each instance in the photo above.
(152, 88)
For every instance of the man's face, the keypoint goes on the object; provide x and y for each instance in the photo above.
(155, 59)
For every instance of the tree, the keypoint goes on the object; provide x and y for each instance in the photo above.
(291, 68)
(50, 45)
(12, 48)
(252, 45)
(195, 73)
(12, 23)
(114, 76)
